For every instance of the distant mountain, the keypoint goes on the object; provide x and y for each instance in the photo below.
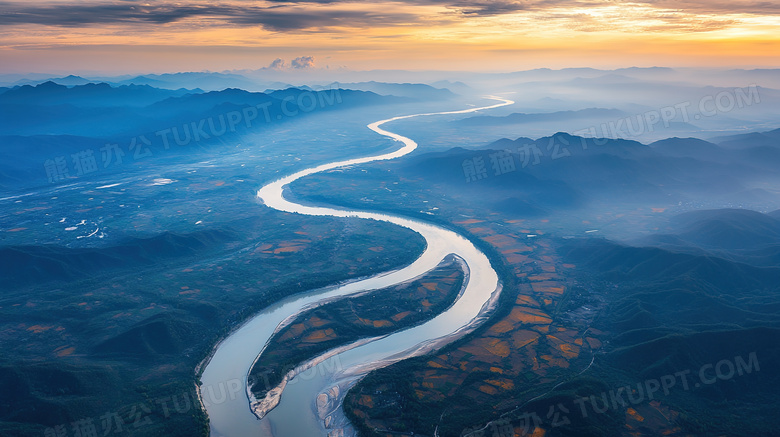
(417, 91)
(559, 171)
(14, 79)
(561, 116)
(568, 144)
(506, 143)
(516, 192)
(87, 96)
(447, 166)
(327, 99)
(736, 234)
(728, 228)
(607, 79)
(205, 81)
(208, 100)
(539, 73)
(616, 90)
(625, 263)
(456, 87)
(726, 215)
(651, 71)
(571, 73)
(33, 135)
(279, 104)
(766, 76)
(630, 169)
(273, 86)
(605, 170)
(57, 110)
(750, 150)
(70, 80)
(692, 147)
(750, 140)
(143, 80)
(763, 156)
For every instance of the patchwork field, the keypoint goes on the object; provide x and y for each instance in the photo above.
(126, 337)
(520, 353)
(553, 341)
(342, 322)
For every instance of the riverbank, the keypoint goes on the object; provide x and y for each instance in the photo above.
(482, 288)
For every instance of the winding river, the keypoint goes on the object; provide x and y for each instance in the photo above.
(312, 398)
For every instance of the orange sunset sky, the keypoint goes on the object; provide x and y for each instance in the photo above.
(155, 36)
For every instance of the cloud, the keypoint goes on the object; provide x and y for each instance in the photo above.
(717, 6)
(466, 7)
(292, 15)
(303, 62)
(81, 14)
(498, 7)
(286, 18)
(487, 7)
(274, 17)
(278, 64)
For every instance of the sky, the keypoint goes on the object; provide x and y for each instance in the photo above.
(129, 36)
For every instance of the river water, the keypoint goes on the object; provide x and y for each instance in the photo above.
(223, 382)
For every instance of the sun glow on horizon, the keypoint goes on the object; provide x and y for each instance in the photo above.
(412, 35)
